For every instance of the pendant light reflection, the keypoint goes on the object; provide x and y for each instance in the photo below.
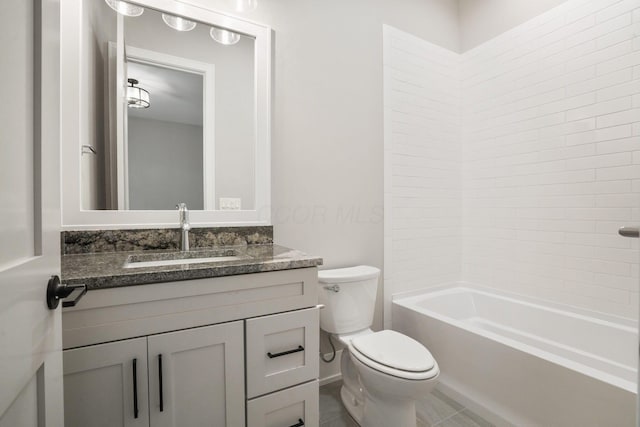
(225, 37)
(246, 5)
(136, 96)
(124, 8)
(178, 23)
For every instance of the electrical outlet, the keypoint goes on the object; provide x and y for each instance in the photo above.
(230, 203)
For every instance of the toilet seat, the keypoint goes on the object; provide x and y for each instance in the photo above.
(394, 354)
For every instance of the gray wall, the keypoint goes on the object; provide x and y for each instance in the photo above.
(327, 146)
(165, 165)
(481, 20)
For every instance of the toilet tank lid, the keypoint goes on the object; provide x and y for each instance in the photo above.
(349, 274)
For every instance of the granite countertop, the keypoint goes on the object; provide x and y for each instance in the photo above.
(108, 269)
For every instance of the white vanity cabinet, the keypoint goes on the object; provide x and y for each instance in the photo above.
(195, 377)
(194, 343)
(103, 385)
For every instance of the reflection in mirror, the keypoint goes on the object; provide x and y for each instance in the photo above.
(170, 112)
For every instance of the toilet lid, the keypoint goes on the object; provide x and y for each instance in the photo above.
(394, 350)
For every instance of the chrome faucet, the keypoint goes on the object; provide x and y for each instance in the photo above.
(184, 226)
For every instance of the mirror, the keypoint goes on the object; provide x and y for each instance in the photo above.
(172, 109)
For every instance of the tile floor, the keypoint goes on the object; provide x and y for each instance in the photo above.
(434, 410)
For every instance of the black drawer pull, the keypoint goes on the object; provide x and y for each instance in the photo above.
(135, 388)
(160, 382)
(284, 353)
(300, 423)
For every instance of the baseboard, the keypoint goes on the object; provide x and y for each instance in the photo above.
(328, 380)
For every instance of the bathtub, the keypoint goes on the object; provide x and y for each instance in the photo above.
(521, 361)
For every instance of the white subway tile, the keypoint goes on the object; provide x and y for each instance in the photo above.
(625, 32)
(600, 108)
(618, 91)
(618, 145)
(616, 9)
(619, 172)
(577, 11)
(618, 200)
(619, 118)
(628, 60)
(602, 161)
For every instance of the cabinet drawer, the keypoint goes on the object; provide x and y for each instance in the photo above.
(282, 350)
(290, 407)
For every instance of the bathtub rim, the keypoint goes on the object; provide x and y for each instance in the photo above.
(408, 299)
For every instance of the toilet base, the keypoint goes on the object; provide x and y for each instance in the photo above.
(370, 410)
(354, 407)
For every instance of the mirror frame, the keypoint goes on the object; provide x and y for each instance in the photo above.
(73, 216)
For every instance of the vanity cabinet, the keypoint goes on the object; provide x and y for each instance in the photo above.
(194, 343)
(100, 385)
(195, 377)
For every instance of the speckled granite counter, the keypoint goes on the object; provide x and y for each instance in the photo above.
(109, 269)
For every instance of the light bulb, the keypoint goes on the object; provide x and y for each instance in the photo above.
(124, 8)
(178, 23)
(225, 37)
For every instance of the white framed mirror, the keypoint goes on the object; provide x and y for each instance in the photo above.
(167, 106)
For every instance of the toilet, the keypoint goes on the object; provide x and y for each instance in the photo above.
(383, 373)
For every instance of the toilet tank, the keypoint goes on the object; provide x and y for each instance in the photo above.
(349, 296)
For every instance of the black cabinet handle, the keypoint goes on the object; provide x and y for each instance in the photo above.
(284, 353)
(69, 294)
(160, 380)
(135, 388)
(300, 423)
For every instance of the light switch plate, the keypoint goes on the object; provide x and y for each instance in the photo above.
(230, 203)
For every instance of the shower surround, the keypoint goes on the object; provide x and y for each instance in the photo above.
(513, 164)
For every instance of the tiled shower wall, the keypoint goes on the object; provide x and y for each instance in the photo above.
(550, 136)
(551, 156)
(422, 164)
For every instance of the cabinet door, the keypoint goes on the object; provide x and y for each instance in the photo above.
(296, 407)
(196, 377)
(100, 388)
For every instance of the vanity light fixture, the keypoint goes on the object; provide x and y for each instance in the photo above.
(245, 5)
(124, 8)
(136, 96)
(225, 37)
(178, 23)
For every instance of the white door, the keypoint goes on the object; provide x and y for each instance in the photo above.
(196, 377)
(30, 333)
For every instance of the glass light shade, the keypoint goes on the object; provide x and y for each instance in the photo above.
(136, 96)
(178, 23)
(124, 8)
(225, 37)
(246, 5)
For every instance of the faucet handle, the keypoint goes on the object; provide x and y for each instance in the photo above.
(181, 206)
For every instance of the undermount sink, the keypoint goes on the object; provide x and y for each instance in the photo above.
(181, 258)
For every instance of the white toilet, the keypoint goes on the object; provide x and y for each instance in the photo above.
(384, 372)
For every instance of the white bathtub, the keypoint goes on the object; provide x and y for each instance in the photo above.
(524, 362)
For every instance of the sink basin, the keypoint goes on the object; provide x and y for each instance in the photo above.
(182, 258)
